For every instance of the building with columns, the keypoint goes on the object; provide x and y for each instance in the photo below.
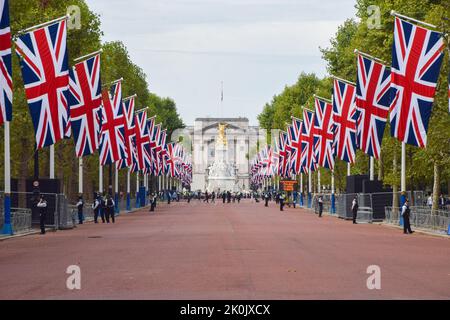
(242, 141)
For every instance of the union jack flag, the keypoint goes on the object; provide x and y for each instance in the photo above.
(112, 140)
(155, 148)
(129, 132)
(283, 154)
(142, 140)
(149, 153)
(45, 72)
(416, 61)
(308, 141)
(170, 159)
(295, 132)
(6, 88)
(344, 117)
(373, 97)
(161, 152)
(323, 127)
(85, 98)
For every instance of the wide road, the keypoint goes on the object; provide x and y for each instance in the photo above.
(231, 251)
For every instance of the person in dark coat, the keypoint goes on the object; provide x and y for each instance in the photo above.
(228, 197)
(224, 196)
(153, 202)
(109, 209)
(206, 197)
(96, 206)
(213, 197)
(103, 208)
(80, 205)
(42, 205)
(406, 213)
(281, 200)
(320, 203)
(266, 199)
(355, 208)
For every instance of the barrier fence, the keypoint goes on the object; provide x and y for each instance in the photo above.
(421, 217)
(61, 214)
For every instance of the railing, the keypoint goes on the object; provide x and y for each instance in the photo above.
(421, 217)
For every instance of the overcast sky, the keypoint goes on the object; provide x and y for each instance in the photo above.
(256, 47)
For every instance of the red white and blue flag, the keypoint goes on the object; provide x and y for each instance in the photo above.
(130, 134)
(142, 140)
(112, 139)
(6, 88)
(373, 98)
(283, 155)
(323, 130)
(308, 142)
(344, 117)
(45, 72)
(417, 55)
(295, 133)
(85, 99)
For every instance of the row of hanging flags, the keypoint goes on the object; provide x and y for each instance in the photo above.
(65, 101)
(356, 116)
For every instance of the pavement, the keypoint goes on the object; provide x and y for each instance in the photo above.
(226, 251)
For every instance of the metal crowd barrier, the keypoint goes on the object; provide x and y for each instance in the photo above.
(421, 217)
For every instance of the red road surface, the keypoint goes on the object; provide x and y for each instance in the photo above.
(231, 251)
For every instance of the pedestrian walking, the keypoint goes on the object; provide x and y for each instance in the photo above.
(109, 209)
(228, 197)
(96, 207)
(281, 200)
(224, 197)
(206, 197)
(80, 205)
(153, 202)
(266, 199)
(320, 202)
(355, 209)
(213, 197)
(42, 205)
(406, 213)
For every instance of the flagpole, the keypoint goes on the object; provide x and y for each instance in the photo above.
(80, 176)
(52, 161)
(137, 190)
(349, 169)
(309, 189)
(128, 189)
(43, 25)
(396, 14)
(372, 168)
(7, 227)
(100, 177)
(403, 176)
(301, 190)
(116, 189)
(333, 197)
(318, 182)
(88, 55)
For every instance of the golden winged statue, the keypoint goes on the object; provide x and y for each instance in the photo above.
(222, 138)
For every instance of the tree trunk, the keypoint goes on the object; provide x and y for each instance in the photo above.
(436, 187)
(395, 202)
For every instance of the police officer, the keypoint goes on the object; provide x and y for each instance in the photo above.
(354, 208)
(80, 205)
(281, 200)
(42, 205)
(153, 202)
(320, 202)
(266, 199)
(96, 207)
(406, 213)
(109, 208)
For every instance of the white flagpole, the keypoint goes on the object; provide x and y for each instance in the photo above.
(349, 171)
(80, 175)
(318, 181)
(116, 189)
(309, 189)
(333, 202)
(137, 190)
(128, 189)
(372, 168)
(403, 174)
(52, 161)
(7, 226)
(100, 177)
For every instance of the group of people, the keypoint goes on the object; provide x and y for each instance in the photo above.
(103, 207)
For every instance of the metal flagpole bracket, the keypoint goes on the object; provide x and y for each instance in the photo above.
(295, 118)
(42, 25)
(130, 97)
(356, 51)
(141, 110)
(398, 15)
(305, 108)
(88, 55)
(343, 80)
(321, 98)
(112, 83)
